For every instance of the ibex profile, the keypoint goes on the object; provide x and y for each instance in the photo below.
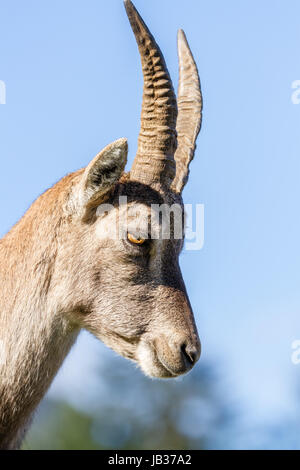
(57, 275)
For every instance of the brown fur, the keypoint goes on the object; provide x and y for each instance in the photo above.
(57, 277)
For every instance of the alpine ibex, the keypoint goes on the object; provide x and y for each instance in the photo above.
(57, 275)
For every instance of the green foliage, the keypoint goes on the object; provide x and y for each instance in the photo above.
(134, 412)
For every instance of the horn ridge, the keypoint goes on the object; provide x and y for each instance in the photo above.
(190, 105)
(157, 143)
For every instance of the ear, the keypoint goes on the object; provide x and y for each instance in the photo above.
(103, 172)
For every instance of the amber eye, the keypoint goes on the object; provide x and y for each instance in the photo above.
(136, 241)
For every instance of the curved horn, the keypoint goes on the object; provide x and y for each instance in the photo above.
(154, 161)
(189, 112)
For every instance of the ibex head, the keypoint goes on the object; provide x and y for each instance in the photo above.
(128, 289)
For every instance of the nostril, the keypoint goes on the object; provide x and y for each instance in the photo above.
(189, 354)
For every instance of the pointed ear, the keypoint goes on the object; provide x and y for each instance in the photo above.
(103, 172)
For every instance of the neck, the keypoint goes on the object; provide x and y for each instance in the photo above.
(35, 337)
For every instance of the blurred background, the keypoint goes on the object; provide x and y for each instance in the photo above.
(74, 84)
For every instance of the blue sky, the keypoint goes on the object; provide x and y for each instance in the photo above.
(74, 84)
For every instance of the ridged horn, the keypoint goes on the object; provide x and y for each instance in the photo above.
(189, 112)
(154, 161)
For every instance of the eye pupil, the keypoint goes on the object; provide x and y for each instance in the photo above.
(136, 241)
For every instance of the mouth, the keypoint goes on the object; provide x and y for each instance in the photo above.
(162, 370)
(154, 365)
(168, 372)
(154, 358)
